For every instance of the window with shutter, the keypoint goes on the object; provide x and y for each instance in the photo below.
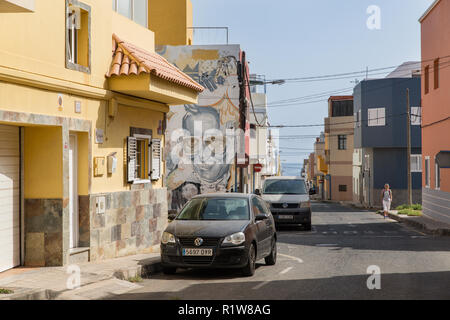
(156, 159)
(416, 116)
(376, 117)
(131, 158)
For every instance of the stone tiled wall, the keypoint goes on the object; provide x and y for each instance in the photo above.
(43, 232)
(133, 222)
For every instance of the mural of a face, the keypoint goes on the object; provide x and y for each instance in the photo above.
(215, 67)
(209, 171)
(188, 191)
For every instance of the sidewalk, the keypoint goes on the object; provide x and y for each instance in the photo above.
(99, 280)
(423, 223)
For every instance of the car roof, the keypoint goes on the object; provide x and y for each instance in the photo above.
(232, 195)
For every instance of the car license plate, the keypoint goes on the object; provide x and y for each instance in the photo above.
(285, 217)
(197, 252)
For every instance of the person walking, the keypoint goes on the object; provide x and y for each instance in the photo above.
(386, 198)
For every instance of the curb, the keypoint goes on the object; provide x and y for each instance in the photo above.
(419, 225)
(147, 268)
(31, 294)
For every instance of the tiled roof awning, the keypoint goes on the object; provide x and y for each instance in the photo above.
(137, 72)
(129, 59)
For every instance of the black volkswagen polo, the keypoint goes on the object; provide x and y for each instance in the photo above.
(227, 230)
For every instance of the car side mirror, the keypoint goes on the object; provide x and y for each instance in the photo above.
(172, 215)
(261, 217)
(258, 192)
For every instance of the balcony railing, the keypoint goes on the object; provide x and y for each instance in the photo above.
(210, 35)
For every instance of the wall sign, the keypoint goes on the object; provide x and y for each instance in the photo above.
(99, 136)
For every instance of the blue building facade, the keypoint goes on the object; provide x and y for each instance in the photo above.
(380, 141)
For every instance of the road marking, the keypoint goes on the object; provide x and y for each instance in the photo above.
(262, 284)
(327, 245)
(291, 257)
(286, 270)
(388, 236)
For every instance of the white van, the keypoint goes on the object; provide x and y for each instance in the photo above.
(288, 198)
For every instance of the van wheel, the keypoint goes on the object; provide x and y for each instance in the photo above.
(249, 269)
(272, 258)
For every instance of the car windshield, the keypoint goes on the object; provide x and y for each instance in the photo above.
(284, 186)
(215, 209)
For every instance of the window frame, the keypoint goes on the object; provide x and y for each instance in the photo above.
(436, 73)
(342, 138)
(132, 6)
(427, 172)
(418, 161)
(415, 116)
(377, 121)
(437, 175)
(427, 79)
(73, 64)
(148, 138)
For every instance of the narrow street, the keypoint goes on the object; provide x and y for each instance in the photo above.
(330, 262)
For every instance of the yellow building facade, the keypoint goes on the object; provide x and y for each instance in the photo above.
(83, 102)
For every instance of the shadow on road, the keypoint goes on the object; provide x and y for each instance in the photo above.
(204, 274)
(365, 236)
(430, 285)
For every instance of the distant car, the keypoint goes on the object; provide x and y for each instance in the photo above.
(289, 201)
(228, 230)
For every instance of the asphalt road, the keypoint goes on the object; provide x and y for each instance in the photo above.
(330, 262)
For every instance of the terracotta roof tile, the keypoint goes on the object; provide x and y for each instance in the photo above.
(130, 59)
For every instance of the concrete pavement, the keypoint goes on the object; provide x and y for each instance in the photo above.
(330, 262)
(96, 279)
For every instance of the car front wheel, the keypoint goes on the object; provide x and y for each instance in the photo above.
(249, 269)
(169, 270)
(272, 258)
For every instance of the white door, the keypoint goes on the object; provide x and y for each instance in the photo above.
(9, 197)
(73, 192)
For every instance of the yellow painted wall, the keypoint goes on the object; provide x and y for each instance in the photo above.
(132, 32)
(116, 131)
(83, 163)
(35, 51)
(43, 170)
(169, 20)
(37, 44)
(25, 99)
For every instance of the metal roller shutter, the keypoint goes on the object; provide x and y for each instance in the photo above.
(9, 197)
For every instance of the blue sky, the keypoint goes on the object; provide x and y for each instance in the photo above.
(297, 38)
